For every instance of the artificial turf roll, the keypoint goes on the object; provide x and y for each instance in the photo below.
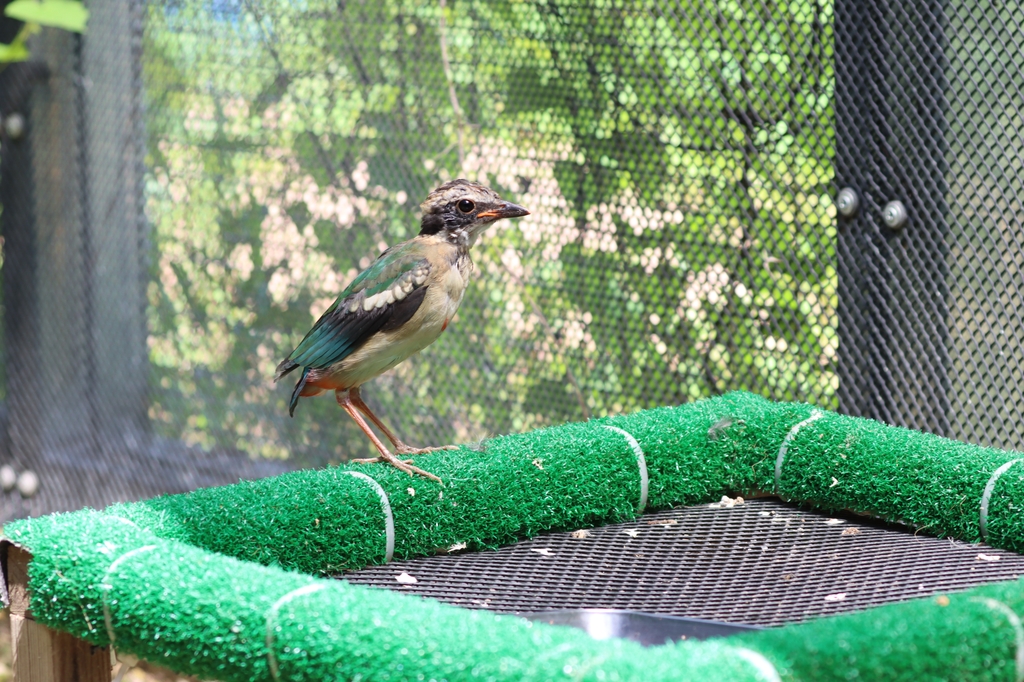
(168, 571)
(973, 636)
(584, 474)
(922, 480)
(204, 614)
(575, 475)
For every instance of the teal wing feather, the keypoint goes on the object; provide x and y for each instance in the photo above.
(347, 323)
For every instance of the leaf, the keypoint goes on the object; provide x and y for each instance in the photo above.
(70, 15)
(15, 52)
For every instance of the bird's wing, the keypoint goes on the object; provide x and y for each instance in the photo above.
(384, 296)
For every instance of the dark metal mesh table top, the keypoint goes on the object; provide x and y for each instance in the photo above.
(762, 562)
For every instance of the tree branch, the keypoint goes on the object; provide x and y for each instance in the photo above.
(551, 333)
(452, 95)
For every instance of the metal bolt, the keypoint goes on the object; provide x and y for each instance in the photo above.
(28, 483)
(895, 215)
(14, 126)
(847, 202)
(8, 477)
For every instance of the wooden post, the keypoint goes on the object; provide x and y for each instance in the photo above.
(892, 144)
(74, 314)
(42, 654)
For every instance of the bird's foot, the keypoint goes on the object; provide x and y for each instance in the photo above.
(404, 449)
(374, 460)
(405, 465)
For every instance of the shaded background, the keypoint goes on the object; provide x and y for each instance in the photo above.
(200, 178)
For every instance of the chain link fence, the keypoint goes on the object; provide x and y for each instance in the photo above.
(681, 161)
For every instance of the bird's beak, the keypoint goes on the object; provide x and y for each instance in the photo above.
(505, 210)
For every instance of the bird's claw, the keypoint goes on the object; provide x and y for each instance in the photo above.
(412, 470)
(405, 465)
(404, 449)
(375, 460)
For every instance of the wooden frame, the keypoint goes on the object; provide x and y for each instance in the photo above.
(42, 654)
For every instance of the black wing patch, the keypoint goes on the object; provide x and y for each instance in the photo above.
(402, 311)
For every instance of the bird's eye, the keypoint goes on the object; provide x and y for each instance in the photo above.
(466, 205)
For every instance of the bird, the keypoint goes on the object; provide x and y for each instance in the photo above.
(395, 308)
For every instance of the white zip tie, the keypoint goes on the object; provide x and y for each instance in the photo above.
(127, 662)
(389, 519)
(987, 495)
(106, 587)
(640, 462)
(765, 668)
(121, 671)
(815, 416)
(272, 620)
(1018, 629)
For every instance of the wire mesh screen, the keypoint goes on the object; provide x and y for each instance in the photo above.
(677, 160)
(681, 161)
(763, 563)
(928, 113)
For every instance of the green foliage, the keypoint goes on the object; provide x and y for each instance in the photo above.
(676, 158)
(69, 15)
(16, 51)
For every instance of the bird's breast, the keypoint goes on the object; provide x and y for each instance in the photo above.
(456, 281)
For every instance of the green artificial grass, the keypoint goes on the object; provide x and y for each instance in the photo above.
(575, 475)
(205, 614)
(187, 602)
(925, 481)
(208, 615)
(582, 474)
(973, 635)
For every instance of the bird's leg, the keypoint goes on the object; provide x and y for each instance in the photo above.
(400, 447)
(345, 400)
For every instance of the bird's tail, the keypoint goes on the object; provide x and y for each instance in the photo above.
(286, 366)
(298, 390)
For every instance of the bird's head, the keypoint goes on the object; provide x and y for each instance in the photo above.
(460, 210)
